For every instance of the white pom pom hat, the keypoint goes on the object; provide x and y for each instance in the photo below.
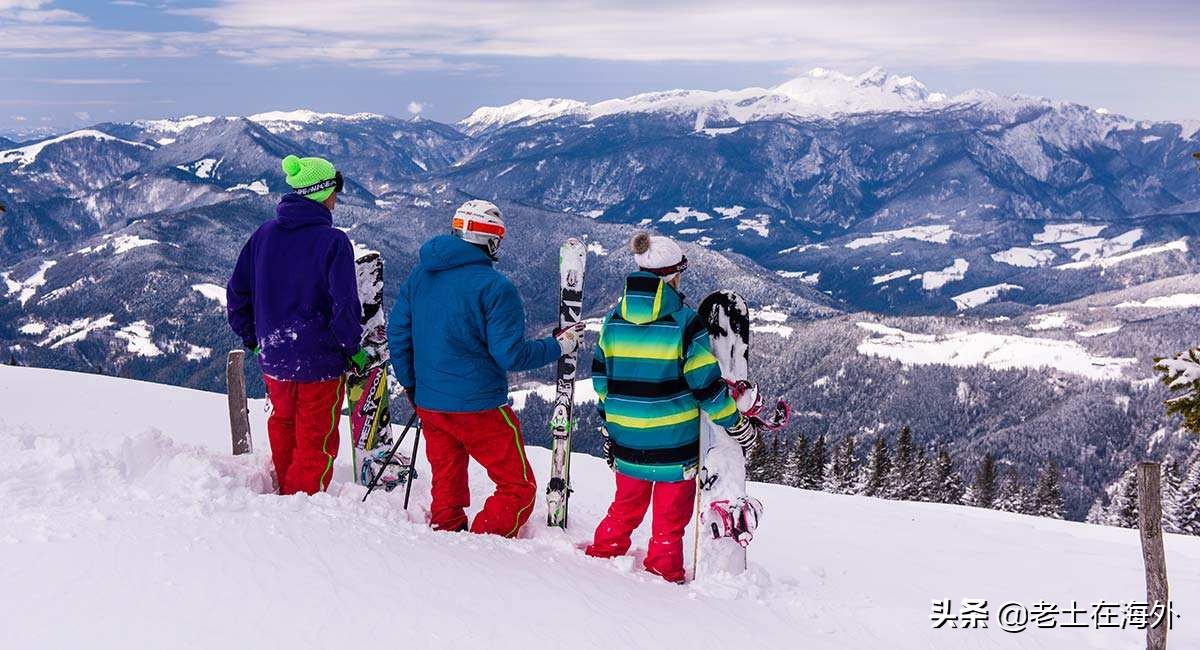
(658, 255)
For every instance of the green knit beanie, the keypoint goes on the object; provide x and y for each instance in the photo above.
(306, 172)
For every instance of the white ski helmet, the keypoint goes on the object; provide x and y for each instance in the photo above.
(480, 222)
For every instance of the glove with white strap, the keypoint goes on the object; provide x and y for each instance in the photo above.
(745, 433)
(608, 451)
(569, 337)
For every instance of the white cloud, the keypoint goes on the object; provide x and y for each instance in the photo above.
(57, 102)
(903, 33)
(83, 115)
(19, 118)
(459, 35)
(92, 82)
(415, 107)
(35, 11)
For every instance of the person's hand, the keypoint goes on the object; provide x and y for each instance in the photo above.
(411, 394)
(745, 433)
(569, 337)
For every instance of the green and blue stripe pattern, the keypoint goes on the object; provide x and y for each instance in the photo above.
(654, 371)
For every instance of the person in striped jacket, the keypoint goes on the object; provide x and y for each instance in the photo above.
(654, 373)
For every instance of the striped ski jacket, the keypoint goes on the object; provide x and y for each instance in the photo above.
(654, 371)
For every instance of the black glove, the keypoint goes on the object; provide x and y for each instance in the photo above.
(608, 452)
(745, 433)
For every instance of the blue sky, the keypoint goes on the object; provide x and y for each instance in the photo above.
(65, 63)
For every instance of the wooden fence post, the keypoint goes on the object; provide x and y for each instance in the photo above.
(239, 413)
(1150, 526)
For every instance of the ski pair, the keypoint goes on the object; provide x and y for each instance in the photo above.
(572, 261)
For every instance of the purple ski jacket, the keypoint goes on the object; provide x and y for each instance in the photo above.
(294, 292)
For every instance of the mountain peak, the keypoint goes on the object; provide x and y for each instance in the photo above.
(522, 110)
(306, 115)
(827, 91)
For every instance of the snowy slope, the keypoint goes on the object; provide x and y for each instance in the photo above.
(127, 503)
(27, 154)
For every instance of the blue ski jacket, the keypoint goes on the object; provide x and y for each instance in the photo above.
(458, 328)
(294, 292)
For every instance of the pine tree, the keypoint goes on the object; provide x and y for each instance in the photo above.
(776, 461)
(1123, 511)
(902, 481)
(1048, 498)
(1187, 512)
(757, 462)
(844, 468)
(1095, 514)
(1172, 482)
(924, 477)
(814, 476)
(12, 360)
(947, 486)
(795, 467)
(875, 473)
(1010, 495)
(1181, 375)
(983, 492)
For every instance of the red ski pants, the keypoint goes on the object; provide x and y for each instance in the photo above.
(303, 429)
(493, 439)
(673, 505)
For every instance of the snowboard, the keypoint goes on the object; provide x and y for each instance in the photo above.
(572, 259)
(370, 411)
(728, 515)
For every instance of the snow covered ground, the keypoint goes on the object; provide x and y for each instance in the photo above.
(998, 351)
(125, 523)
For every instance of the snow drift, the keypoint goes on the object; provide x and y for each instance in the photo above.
(125, 523)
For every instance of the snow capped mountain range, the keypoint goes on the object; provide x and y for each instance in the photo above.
(1010, 226)
(817, 93)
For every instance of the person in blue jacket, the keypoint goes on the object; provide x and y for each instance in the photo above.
(457, 329)
(293, 300)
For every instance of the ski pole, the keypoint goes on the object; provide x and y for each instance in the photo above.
(412, 467)
(391, 455)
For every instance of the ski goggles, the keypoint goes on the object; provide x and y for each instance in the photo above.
(493, 229)
(337, 183)
(665, 271)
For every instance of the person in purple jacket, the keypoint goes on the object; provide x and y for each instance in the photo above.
(293, 300)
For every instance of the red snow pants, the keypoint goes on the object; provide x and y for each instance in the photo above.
(493, 439)
(673, 505)
(303, 429)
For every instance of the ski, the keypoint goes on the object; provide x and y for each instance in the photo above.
(728, 515)
(572, 258)
(370, 410)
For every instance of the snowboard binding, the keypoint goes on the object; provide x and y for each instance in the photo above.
(735, 519)
(393, 471)
(750, 402)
